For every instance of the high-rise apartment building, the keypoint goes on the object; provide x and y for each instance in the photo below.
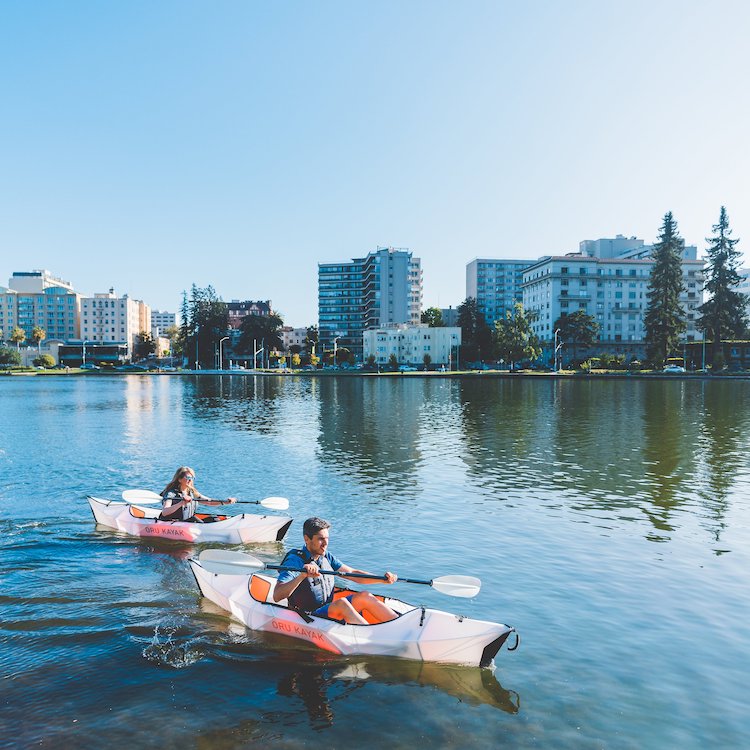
(608, 280)
(496, 285)
(160, 321)
(383, 287)
(107, 318)
(36, 298)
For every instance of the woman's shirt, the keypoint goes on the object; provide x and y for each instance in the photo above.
(185, 513)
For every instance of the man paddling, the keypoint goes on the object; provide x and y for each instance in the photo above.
(312, 592)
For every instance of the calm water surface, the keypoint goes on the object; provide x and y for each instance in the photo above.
(607, 520)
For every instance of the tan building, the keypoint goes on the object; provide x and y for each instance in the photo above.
(107, 318)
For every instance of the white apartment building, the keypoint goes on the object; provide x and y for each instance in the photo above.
(611, 289)
(410, 343)
(107, 318)
(293, 337)
(160, 321)
(37, 298)
(496, 285)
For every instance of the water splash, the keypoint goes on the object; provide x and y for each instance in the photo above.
(168, 648)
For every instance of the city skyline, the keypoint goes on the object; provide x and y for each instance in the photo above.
(239, 145)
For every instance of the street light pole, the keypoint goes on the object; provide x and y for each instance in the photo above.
(84, 353)
(335, 349)
(557, 348)
(197, 329)
(221, 360)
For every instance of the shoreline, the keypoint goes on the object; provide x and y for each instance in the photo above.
(460, 374)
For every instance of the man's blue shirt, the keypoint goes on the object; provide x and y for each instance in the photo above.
(312, 592)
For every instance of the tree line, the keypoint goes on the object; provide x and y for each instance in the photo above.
(722, 317)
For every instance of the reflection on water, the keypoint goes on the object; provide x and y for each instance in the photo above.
(553, 492)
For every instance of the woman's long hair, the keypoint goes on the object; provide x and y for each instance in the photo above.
(174, 484)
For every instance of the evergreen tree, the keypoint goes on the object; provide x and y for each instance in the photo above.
(723, 314)
(664, 320)
(514, 338)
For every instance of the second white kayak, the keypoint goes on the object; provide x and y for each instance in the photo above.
(245, 528)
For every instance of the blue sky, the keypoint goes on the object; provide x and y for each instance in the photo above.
(150, 145)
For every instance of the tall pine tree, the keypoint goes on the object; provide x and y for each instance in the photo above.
(723, 314)
(664, 320)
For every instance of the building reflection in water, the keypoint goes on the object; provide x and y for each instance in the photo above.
(659, 448)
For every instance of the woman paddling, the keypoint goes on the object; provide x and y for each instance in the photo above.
(179, 498)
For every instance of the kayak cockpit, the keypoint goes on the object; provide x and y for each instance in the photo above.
(261, 587)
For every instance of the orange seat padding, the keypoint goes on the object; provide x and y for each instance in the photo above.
(259, 588)
(137, 512)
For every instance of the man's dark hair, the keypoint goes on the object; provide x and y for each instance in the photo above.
(313, 525)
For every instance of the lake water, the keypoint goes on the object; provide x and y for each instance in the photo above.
(608, 521)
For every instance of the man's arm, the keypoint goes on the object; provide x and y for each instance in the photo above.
(389, 577)
(283, 590)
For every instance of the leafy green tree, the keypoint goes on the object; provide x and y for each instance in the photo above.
(476, 335)
(296, 359)
(176, 341)
(205, 319)
(370, 361)
(342, 355)
(44, 360)
(144, 344)
(393, 362)
(433, 316)
(577, 329)
(17, 336)
(264, 330)
(38, 334)
(514, 339)
(664, 320)
(427, 359)
(8, 357)
(2, 334)
(723, 315)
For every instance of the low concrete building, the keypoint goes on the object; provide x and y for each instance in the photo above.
(411, 343)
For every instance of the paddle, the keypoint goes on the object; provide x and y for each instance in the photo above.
(146, 497)
(238, 563)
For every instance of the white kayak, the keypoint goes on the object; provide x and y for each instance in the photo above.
(417, 633)
(137, 520)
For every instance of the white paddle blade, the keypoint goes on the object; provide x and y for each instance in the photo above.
(227, 562)
(275, 503)
(463, 587)
(140, 496)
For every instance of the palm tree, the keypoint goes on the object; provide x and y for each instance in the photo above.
(17, 336)
(38, 334)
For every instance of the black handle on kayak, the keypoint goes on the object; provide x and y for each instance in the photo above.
(348, 575)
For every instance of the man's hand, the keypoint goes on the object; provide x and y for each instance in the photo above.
(390, 577)
(312, 570)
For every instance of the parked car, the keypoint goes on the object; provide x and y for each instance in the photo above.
(407, 368)
(89, 366)
(673, 368)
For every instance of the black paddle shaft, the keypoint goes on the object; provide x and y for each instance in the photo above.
(348, 575)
